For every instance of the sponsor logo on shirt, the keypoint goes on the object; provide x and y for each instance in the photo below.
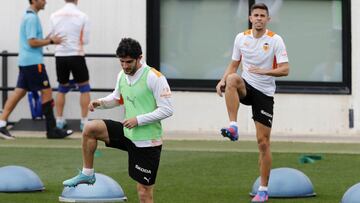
(166, 92)
(131, 100)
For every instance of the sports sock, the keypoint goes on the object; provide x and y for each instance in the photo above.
(60, 119)
(233, 123)
(47, 109)
(263, 188)
(88, 171)
(84, 119)
(2, 123)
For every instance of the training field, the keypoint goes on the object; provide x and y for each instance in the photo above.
(190, 171)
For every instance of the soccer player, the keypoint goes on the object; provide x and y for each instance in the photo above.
(32, 73)
(146, 97)
(263, 56)
(72, 24)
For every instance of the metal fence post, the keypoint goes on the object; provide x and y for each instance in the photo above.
(4, 76)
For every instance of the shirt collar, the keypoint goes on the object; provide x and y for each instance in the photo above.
(71, 5)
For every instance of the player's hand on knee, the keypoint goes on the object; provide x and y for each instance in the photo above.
(220, 87)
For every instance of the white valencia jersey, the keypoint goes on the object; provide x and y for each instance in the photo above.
(73, 25)
(264, 52)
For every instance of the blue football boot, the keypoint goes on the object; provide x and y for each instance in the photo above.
(80, 179)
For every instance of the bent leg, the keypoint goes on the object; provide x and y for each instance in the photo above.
(145, 193)
(265, 160)
(11, 102)
(94, 130)
(235, 88)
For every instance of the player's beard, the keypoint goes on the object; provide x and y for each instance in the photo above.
(130, 71)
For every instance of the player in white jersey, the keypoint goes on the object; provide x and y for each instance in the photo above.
(263, 57)
(73, 24)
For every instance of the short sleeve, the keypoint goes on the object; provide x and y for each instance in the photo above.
(31, 27)
(280, 51)
(236, 55)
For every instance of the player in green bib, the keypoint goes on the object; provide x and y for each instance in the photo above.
(146, 97)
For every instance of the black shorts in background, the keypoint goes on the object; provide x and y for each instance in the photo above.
(262, 105)
(74, 64)
(143, 161)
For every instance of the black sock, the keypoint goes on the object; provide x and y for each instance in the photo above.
(47, 109)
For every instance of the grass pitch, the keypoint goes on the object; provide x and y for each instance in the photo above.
(190, 171)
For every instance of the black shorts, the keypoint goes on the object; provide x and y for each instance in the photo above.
(143, 161)
(74, 64)
(262, 105)
(33, 78)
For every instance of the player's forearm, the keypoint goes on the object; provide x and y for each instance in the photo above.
(280, 71)
(159, 114)
(108, 102)
(39, 42)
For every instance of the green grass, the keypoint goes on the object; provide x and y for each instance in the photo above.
(190, 171)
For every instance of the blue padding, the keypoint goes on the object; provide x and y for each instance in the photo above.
(352, 195)
(64, 88)
(35, 105)
(105, 189)
(19, 179)
(287, 182)
(84, 88)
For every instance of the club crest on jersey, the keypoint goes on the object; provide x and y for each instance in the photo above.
(266, 47)
(45, 83)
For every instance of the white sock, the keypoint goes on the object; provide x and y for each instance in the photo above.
(60, 119)
(88, 171)
(263, 188)
(2, 123)
(84, 119)
(234, 123)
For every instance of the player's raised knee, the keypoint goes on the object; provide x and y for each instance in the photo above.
(233, 80)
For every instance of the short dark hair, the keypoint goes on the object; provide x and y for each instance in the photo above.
(129, 47)
(30, 1)
(259, 6)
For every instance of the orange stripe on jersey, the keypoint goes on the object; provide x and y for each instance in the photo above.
(157, 73)
(270, 33)
(121, 100)
(81, 41)
(39, 68)
(274, 63)
(247, 32)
